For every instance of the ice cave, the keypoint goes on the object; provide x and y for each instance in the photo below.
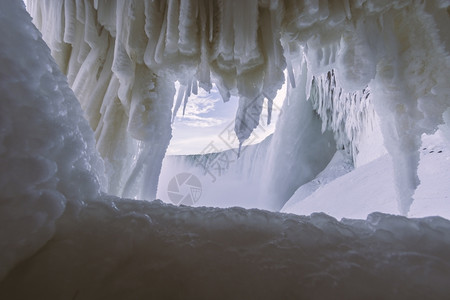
(346, 196)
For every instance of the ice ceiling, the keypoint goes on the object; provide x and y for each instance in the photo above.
(358, 62)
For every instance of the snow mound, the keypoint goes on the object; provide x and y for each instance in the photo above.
(118, 248)
(47, 150)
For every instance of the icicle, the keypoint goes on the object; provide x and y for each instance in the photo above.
(70, 21)
(188, 42)
(90, 29)
(194, 87)
(312, 6)
(154, 19)
(348, 11)
(159, 52)
(211, 20)
(274, 4)
(346, 114)
(269, 110)
(137, 38)
(239, 150)
(181, 91)
(106, 15)
(324, 11)
(247, 117)
(290, 73)
(80, 10)
(204, 73)
(187, 94)
(172, 33)
(245, 30)
(224, 92)
(224, 49)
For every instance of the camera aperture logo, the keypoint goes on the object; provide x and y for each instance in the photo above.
(185, 189)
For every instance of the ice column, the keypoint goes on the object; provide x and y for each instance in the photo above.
(409, 94)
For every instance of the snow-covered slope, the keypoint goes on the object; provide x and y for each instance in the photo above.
(371, 187)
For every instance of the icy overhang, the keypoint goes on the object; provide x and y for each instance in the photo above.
(122, 57)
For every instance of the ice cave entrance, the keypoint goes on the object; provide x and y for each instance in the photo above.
(203, 156)
(368, 76)
(206, 125)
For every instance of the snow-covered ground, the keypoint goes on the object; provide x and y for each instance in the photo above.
(126, 249)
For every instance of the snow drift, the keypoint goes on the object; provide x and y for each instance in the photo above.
(117, 248)
(48, 160)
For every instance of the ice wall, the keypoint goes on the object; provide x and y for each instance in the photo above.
(126, 103)
(107, 47)
(48, 162)
(347, 115)
(299, 149)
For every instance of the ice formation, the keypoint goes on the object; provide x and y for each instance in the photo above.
(48, 160)
(60, 237)
(122, 57)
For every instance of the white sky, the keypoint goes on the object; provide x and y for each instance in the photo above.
(208, 124)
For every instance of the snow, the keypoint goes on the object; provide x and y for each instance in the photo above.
(117, 248)
(61, 237)
(46, 146)
(371, 187)
(432, 196)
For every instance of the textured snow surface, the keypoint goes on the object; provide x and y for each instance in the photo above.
(47, 150)
(119, 248)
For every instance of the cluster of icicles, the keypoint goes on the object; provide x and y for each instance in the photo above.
(347, 115)
(123, 57)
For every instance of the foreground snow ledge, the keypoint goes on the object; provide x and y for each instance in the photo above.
(117, 249)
